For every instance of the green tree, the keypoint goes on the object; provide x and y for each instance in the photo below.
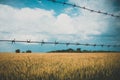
(17, 50)
(78, 49)
(70, 50)
(28, 51)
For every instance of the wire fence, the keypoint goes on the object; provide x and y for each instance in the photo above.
(84, 8)
(59, 43)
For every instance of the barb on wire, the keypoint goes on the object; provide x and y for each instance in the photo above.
(85, 8)
(56, 42)
(60, 43)
(13, 41)
(28, 41)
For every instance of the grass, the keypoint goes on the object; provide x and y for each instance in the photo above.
(59, 66)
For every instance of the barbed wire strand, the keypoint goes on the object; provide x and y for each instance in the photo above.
(85, 8)
(59, 43)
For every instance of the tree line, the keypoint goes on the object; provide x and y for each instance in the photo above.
(19, 51)
(78, 50)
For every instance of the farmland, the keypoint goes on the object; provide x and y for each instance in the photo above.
(60, 66)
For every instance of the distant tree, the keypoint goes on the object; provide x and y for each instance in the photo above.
(17, 50)
(28, 51)
(85, 51)
(78, 49)
(70, 50)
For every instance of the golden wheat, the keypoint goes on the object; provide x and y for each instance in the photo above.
(57, 66)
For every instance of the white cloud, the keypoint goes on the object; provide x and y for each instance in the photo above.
(27, 23)
(64, 24)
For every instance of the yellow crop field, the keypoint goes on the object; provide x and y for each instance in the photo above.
(60, 66)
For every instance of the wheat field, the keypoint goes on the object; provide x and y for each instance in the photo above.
(60, 66)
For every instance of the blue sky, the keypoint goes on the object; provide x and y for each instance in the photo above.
(43, 20)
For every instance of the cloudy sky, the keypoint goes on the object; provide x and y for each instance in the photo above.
(43, 20)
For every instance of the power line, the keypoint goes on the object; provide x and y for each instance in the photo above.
(85, 8)
(59, 43)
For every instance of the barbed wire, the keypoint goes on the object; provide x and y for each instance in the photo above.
(85, 8)
(59, 43)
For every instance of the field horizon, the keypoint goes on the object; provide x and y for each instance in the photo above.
(59, 52)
